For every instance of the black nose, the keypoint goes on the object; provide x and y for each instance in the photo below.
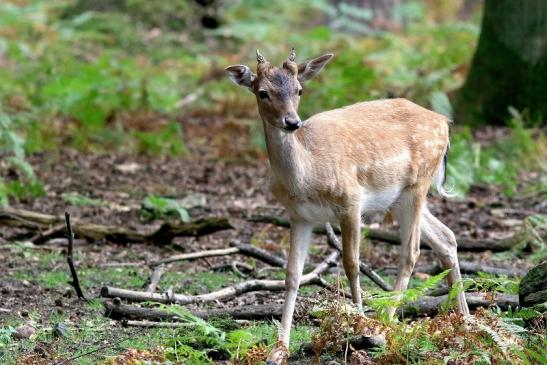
(292, 124)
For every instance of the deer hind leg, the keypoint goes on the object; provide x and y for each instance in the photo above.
(443, 242)
(407, 211)
(299, 242)
(351, 234)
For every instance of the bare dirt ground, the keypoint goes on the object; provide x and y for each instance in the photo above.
(234, 188)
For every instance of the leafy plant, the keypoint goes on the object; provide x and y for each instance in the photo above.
(156, 207)
(382, 301)
(12, 146)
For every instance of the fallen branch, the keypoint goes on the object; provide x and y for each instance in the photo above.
(357, 343)
(466, 268)
(44, 236)
(425, 306)
(259, 254)
(70, 259)
(196, 255)
(464, 244)
(163, 235)
(155, 278)
(364, 268)
(150, 324)
(429, 306)
(237, 248)
(116, 310)
(312, 278)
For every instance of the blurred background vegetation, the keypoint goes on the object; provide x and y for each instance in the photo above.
(131, 76)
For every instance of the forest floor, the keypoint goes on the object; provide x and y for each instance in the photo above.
(33, 279)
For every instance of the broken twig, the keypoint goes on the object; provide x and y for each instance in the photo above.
(223, 294)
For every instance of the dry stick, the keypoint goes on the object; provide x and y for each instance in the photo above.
(225, 293)
(365, 269)
(155, 278)
(70, 259)
(163, 235)
(150, 324)
(196, 255)
(464, 244)
(241, 248)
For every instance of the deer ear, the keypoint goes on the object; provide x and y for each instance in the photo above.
(309, 69)
(241, 75)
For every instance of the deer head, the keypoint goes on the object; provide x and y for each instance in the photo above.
(278, 89)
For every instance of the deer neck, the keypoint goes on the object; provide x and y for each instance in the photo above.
(289, 159)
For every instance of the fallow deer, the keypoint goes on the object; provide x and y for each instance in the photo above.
(341, 164)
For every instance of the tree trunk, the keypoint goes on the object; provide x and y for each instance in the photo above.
(509, 67)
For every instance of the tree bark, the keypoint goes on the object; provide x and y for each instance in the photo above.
(509, 67)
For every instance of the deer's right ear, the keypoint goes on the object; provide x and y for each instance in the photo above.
(241, 75)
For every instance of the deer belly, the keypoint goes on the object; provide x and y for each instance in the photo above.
(378, 200)
(315, 213)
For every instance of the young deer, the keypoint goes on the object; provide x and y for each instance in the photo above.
(344, 163)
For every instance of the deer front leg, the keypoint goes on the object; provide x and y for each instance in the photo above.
(351, 235)
(300, 237)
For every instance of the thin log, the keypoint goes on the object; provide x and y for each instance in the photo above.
(464, 244)
(363, 267)
(70, 259)
(466, 268)
(155, 278)
(150, 324)
(425, 306)
(163, 235)
(356, 342)
(429, 306)
(471, 268)
(116, 310)
(312, 278)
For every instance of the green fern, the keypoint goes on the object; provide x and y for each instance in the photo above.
(382, 301)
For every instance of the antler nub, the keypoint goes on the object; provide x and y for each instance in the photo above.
(292, 55)
(259, 57)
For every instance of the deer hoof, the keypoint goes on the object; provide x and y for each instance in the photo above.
(279, 355)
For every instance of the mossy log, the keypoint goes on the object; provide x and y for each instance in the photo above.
(533, 287)
(93, 232)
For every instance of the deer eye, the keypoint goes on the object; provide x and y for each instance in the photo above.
(263, 94)
(299, 92)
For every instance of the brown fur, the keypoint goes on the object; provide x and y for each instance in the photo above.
(342, 163)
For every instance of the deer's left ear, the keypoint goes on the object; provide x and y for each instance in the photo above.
(241, 75)
(309, 69)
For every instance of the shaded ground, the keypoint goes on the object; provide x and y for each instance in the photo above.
(33, 280)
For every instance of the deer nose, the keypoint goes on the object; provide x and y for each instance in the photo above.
(292, 124)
